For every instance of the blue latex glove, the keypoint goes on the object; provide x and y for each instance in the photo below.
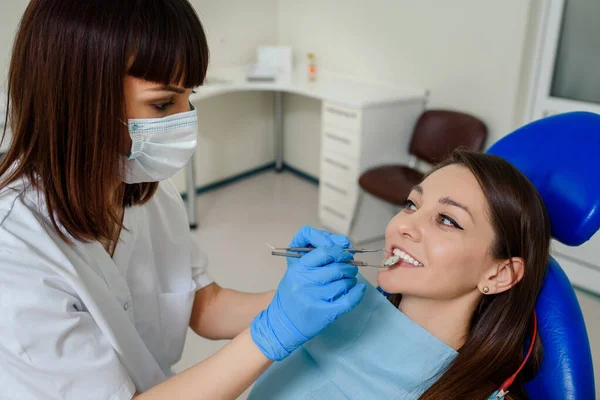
(315, 290)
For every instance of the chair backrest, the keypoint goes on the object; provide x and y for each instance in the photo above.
(439, 132)
(559, 156)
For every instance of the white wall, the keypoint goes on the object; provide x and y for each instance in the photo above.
(10, 15)
(235, 28)
(236, 130)
(468, 53)
(528, 69)
(235, 135)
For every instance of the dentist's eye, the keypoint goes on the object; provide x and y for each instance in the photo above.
(163, 106)
(447, 221)
(409, 205)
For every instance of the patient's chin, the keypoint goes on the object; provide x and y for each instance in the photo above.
(397, 279)
(389, 280)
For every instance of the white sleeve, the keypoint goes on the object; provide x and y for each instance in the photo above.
(50, 348)
(199, 266)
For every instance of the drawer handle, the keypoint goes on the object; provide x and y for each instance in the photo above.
(334, 212)
(336, 189)
(337, 164)
(341, 112)
(337, 138)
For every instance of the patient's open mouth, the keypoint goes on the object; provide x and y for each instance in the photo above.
(400, 257)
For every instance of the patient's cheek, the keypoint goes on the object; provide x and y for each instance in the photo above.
(409, 280)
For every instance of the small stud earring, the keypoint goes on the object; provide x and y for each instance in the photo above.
(486, 290)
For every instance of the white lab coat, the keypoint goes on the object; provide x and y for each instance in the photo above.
(76, 324)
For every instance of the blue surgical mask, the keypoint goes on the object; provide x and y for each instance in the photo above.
(160, 146)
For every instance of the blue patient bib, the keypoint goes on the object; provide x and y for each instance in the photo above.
(373, 352)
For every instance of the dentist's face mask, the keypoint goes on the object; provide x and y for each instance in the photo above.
(160, 146)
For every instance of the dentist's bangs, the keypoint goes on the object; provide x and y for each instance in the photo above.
(167, 44)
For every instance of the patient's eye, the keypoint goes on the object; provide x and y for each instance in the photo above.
(447, 221)
(409, 205)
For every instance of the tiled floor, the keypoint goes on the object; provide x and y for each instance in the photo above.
(237, 221)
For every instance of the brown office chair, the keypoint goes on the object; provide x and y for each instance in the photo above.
(436, 134)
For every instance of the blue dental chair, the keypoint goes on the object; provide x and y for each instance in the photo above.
(561, 156)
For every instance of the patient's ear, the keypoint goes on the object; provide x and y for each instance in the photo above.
(502, 276)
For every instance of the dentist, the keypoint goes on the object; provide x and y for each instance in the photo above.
(99, 278)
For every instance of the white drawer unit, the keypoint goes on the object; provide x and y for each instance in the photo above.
(339, 167)
(338, 116)
(341, 194)
(354, 140)
(340, 141)
(334, 218)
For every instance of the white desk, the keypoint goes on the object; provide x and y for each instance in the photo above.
(363, 125)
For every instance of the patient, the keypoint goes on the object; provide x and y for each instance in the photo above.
(475, 240)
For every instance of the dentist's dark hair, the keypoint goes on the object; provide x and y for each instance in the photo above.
(66, 103)
(501, 326)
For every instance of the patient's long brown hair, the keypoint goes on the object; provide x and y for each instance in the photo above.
(501, 325)
(66, 103)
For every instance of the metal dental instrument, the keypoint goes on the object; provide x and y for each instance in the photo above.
(309, 249)
(296, 255)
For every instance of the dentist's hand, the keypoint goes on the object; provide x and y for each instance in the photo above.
(315, 290)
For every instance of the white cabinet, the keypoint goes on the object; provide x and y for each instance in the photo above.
(342, 141)
(364, 125)
(353, 141)
(338, 116)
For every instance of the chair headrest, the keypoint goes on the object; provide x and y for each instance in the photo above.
(560, 156)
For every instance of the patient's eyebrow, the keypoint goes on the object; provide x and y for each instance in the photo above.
(448, 201)
(445, 200)
(418, 189)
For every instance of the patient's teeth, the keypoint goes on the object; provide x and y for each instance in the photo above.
(399, 254)
(391, 261)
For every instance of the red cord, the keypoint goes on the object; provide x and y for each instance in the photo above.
(510, 380)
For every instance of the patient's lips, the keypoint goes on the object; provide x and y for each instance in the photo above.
(403, 257)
